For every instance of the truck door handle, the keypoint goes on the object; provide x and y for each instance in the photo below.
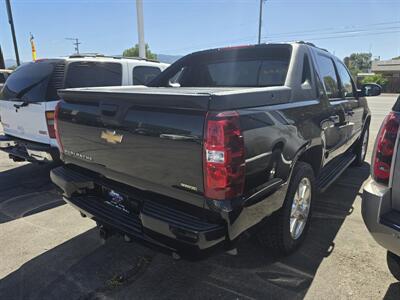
(335, 119)
(108, 110)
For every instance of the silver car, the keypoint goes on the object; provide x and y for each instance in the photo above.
(381, 196)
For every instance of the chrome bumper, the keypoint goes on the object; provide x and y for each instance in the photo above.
(376, 201)
(26, 150)
(5, 143)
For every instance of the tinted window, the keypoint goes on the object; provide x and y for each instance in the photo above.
(242, 67)
(92, 74)
(347, 83)
(142, 75)
(328, 74)
(29, 83)
(246, 73)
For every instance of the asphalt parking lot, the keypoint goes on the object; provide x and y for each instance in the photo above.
(47, 251)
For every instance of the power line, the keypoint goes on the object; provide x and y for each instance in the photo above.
(332, 29)
(298, 34)
(352, 35)
(339, 32)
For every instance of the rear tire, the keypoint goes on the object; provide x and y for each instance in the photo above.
(361, 148)
(279, 233)
(393, 262)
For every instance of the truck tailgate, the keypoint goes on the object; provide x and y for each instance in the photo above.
(150, 141)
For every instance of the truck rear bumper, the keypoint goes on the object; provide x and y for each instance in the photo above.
(154, 223)
(376, 212)
(27, 150)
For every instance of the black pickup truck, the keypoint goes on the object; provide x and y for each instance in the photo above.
(223, 141)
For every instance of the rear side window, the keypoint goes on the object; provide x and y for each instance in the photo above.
(31, 82)
(345, 79)
(92, 74)
(142, 75)
(328, 74)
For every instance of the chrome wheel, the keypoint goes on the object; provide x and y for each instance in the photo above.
(364, 145)
(300, 208)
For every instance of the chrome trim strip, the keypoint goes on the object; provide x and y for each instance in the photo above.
(257, 157)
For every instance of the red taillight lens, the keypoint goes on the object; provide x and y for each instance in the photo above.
(224, 164)
(56, 126)
(50, 124)
(384, 148)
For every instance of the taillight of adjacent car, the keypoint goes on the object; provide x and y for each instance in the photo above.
(224, 157)
(50, 124)
(56, 126)
(385, 148)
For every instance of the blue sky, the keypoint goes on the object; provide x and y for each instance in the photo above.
(179, 27)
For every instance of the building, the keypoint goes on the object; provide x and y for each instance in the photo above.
(390, 69)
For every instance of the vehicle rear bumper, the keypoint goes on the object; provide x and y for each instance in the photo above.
(27, 150)
(376, 204)
(153, 223)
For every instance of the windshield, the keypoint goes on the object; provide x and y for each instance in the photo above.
(260, 66)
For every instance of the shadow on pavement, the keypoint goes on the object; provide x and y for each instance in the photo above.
(83, 268)
(26, 190)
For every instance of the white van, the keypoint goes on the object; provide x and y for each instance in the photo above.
(29, 97)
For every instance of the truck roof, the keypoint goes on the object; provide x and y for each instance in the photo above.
(259, 46)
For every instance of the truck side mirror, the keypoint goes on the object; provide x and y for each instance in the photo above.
(370, 90)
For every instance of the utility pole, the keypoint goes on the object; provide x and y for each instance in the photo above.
(11, 21)
(140, 25)
(76, 43)
(260, 21)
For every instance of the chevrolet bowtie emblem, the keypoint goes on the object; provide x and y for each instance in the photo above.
(111, 137)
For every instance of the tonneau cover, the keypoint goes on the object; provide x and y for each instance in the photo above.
(196, 98)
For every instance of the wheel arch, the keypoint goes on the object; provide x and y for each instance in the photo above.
(313, 157)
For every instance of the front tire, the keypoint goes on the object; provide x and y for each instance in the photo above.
(286, 229)
(393, 262)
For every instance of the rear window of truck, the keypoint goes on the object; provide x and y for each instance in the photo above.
(93, 74)
(259, 66)
(34, 82)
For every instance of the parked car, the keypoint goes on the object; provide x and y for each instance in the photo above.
(381, 196)
(4, 73)
(223, 141)
(29, 97)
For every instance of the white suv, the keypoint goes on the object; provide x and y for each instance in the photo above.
(29, 97)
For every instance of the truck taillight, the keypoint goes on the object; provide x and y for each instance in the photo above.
(224, 163)
(384, 148)
(56, 127)
(50, 124)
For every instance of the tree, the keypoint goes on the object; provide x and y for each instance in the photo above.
(358, 63)
(134, 52)
(397, 57)
(377, 78)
